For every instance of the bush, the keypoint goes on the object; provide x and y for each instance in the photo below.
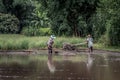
(34, 31)
(45, 31)
(8, 23)
(113, 33)
(24, 44)
(30, 31)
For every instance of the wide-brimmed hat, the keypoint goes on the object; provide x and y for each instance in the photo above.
(53, 36)
(88, 35)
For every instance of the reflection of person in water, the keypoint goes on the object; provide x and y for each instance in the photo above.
(89, 62)
(50, 64)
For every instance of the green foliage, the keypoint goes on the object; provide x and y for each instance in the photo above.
(2, 7)
(99, 22)
(26, 42)
(8, 23)
(107, 22)
(45, 31)
(64, 15)
(113, 32)
(63, 29)
(31, 31)
(42, 15)
(83, 27)
(8, 5)
(36, 31)
(24, 10)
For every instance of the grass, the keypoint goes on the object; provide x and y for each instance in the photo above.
(21, 42)
(108, 48)
(15, 41)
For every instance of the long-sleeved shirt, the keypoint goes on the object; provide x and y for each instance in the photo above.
(50, 42)
(90, 42)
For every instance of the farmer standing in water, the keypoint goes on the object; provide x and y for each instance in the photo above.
(50, 44)
(90, 43)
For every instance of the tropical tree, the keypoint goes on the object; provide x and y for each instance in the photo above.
(22, 9)
(8, 23)
(70, 17)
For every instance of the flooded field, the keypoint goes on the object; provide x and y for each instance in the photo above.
(43, 67)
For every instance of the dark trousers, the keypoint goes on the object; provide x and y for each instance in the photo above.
(91, 49)
(50, 50)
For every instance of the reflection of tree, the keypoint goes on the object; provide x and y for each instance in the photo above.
(15, 70)
(22, 67)
(50, 64)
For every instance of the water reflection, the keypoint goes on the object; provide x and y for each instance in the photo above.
(50, 63)
(89, 61)
(42, 67)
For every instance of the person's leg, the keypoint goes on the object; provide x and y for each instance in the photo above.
(88, 48)
(51, 51)
(48, 50)
(91, 49)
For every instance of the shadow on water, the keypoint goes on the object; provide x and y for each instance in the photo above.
(43, 67)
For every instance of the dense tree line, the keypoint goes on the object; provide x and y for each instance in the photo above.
(23, 10)
(70, 17)
(64, 18)
(8, 24)
(81, 17)
(106, 22)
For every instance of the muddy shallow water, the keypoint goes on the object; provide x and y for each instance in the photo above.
(52, 67)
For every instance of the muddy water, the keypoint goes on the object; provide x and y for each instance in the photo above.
(43, 67)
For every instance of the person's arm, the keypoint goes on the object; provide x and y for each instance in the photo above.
(48, 44)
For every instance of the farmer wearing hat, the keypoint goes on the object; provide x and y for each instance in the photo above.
(90, 43)
(50, 43)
